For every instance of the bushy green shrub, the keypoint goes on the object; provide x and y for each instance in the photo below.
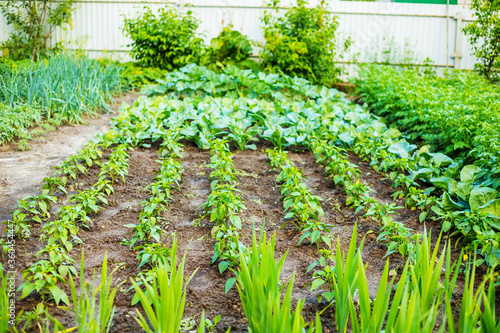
(167, 40)
(484, 35)
(229, 48)
(301, 42)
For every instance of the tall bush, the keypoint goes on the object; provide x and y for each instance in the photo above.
(302, 42)
(484, 35)
(167, 40)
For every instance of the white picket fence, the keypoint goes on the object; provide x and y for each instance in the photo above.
(380, 31)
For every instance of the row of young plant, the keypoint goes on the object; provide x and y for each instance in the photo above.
(257, 272)
(36, 208)
(147, 235)
(248, 119)
(223, 207)
(452, 113)
(458, 195)
(302, 208)
(345, 174)
(61, 233)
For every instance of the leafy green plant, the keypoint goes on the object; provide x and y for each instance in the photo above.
(229, 48)
(300, 205)
(340, 278)
(152, 254)
(55, 183)
(399, 238)
(90, 316)
(135, 76)
(260, 291)
(242, 132)
(227, 249)
(483, 34)
(302, 42)
(15, 122)
(43, 275)
(66, 87)
(168, 295)
(167, 40)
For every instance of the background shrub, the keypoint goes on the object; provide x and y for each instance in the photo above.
(301, 42)
(484, 35)
(167, 40)
(229, 48)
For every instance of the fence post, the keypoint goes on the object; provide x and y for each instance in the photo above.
(458, 40)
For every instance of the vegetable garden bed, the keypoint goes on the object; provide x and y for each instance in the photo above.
(262, 199)
(215, 156)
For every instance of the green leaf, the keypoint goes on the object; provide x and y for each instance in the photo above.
(58, 294)
(401, 148)
(441, 182)
(223, 265)
(463, 190)
(424, 173)
(393, 133)
(469, 173)
(229, 284)
(345, 137)
(480, 196)
(329, 296)
(441, 160)
(492, 209)
(448, 204)
(27, 289)
(316, 284)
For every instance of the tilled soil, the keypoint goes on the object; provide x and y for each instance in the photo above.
(261, 197)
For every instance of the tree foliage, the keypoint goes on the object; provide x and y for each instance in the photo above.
(33, 23)
(484, 35)
(302, 42)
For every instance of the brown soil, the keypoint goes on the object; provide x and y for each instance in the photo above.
(206, 290)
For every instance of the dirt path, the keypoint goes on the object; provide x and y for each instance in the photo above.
(22, 171)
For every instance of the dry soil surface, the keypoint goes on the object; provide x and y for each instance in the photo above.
(22, 171)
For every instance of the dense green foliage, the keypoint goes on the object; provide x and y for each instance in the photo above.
(63, 88)
(15, 121)
(33, 23)
(206, 108)
(457, 115)
(135, 76)
(63, 85)
(302, 42)
(260, 292)
(229, 48)
(484, 35)
(167, 40)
